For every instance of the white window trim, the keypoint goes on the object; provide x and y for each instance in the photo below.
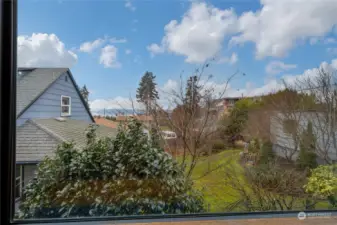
(20, 182)
(66, 114)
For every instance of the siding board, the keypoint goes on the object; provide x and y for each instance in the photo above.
(49, 103)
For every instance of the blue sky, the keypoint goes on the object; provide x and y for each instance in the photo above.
(266, 40)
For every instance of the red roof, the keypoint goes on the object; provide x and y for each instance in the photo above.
(138, 117)
(106, 122)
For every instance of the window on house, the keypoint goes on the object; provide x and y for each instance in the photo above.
(65, 106)
(290, 126)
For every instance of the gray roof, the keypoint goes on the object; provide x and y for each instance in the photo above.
(39, 137)
(32, 84)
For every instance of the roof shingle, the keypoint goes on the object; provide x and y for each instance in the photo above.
(39, 137)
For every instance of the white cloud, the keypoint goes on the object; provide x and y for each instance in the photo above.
(231, 60)
(170, 86)
(276, 67)
(249, 89)
(117, 41)
(109, 57)
(115, 103)
(129, 5)
(332, 51)
(200, 33)
(44, 50)
(219, 89)
(90, 46)
(128, 51)
(275, 28)
(155, 49)
(334, 64)
(279, 25)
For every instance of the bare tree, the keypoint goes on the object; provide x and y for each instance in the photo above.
(322, 86)
(270, 189)
(193, 117)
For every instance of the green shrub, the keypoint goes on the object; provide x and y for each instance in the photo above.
(125, 175)
(306, 160)
(307, 157)
(254, 145)
(218, 145)
(322, 183)
(276, 179)
(266, 154)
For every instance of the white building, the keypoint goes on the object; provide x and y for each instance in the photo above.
(325, 131)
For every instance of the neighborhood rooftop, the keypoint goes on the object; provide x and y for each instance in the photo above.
(30, 85)
(33, 82)
(39, 137)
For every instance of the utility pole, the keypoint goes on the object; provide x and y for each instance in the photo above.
(104, 112)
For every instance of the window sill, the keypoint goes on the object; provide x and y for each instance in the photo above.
(68, 115)
(271, 219)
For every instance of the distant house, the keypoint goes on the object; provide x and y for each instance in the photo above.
(223, 105)
(283, 141)
(50, 110)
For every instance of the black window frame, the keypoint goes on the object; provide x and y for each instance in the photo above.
(8, 70)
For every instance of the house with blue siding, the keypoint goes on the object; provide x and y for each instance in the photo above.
(50, 110)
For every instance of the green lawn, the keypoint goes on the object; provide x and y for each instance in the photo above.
(217, 193)
(208, 176)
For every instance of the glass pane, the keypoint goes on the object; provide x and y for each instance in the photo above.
(65, 109)
(176, 107)
(65, 101)
(17, 171)
(17, 189)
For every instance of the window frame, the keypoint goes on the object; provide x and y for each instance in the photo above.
(8, 70)
(69, 106)
(20, 178)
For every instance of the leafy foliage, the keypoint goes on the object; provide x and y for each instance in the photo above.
(254, 145)
(124, 175)
(218, 145)
(266, 154)
(323, 181)
(288, 100)
(307, 156)
(238, 116)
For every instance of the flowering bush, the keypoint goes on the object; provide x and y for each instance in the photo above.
(323, 183)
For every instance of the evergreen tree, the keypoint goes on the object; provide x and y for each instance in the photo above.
(146, 92)
(307, 155)
(192, 95)
(85, 94)
(266, 153)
